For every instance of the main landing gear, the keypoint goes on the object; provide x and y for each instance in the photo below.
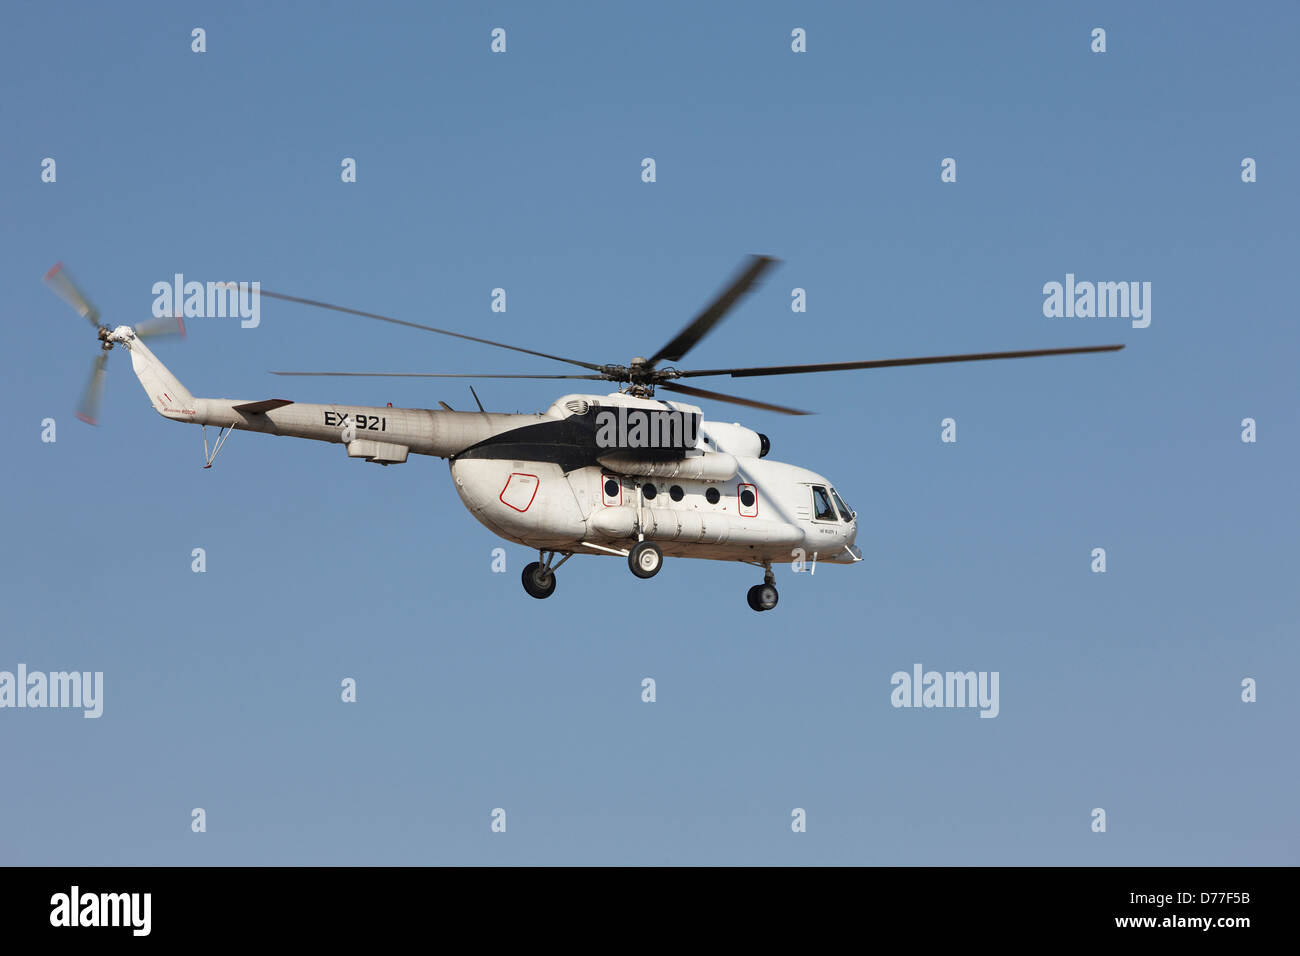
(539, 576)
(645, 559)
(763, 597)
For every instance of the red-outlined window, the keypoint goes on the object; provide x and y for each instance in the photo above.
(520, 489)
(615, 499)
(744, 490)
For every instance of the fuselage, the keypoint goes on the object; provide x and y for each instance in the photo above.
(574, 478)
(765, 513)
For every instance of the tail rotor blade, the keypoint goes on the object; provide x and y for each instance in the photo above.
(62, 284)
(88, 409)
(166, 326)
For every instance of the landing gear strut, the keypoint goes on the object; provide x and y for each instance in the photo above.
(539, 576)
(763, 597)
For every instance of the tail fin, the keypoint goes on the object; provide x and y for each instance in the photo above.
(170, 398)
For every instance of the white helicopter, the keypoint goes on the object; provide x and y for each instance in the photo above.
(619, 474)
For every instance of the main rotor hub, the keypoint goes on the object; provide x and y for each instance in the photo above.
(640, 372)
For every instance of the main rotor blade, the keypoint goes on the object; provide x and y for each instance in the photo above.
(427, 328)
(88, 407)
(699, 327)
(890, 363)
(61, 283)
(720, 397)
(429, 375)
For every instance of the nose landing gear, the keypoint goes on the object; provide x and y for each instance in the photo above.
(539, 576)
(763, 597)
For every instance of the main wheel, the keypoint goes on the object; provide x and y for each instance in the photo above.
(645, 559)
(538, 583)
(762, 597)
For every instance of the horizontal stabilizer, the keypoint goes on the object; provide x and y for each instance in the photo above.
(257, 408)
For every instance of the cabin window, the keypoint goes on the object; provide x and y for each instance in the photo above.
(823, 510)
(649, 492)
(676, 493)
(712, 496)
(611, 490)
(846, 513)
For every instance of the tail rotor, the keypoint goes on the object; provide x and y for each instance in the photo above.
(65, 287)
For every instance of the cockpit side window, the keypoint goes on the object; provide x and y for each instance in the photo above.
(846, 513)
(823, 510)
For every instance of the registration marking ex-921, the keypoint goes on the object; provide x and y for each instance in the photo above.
(373, 423)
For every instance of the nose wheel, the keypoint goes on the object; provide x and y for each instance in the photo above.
(763, 597)
(538, 582)
(539, 576)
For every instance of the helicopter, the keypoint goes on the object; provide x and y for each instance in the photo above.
(623, 474)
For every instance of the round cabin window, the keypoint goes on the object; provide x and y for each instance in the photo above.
(649, 491)
(611, 488)
(747, 498)
(712, 496)
(676, 493)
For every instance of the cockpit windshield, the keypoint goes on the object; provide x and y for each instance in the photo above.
(823, 510)
(846, 513)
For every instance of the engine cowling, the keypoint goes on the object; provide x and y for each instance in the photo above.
(735, 439)
(710, 466)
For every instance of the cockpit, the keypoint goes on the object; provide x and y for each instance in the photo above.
(827, 505)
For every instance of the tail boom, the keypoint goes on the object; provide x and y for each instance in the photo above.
(422, 431)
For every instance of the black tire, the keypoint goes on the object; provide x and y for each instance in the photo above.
(645, 559)
(535, 584)
(762, 597)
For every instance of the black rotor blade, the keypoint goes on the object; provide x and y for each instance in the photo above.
(890, 363)
(699, 327)
(734, 400)
(430, 375)
(427, 328)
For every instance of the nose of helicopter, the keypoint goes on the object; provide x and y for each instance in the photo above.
(850, 554)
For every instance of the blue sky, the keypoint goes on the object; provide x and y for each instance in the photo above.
(1118, 690)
